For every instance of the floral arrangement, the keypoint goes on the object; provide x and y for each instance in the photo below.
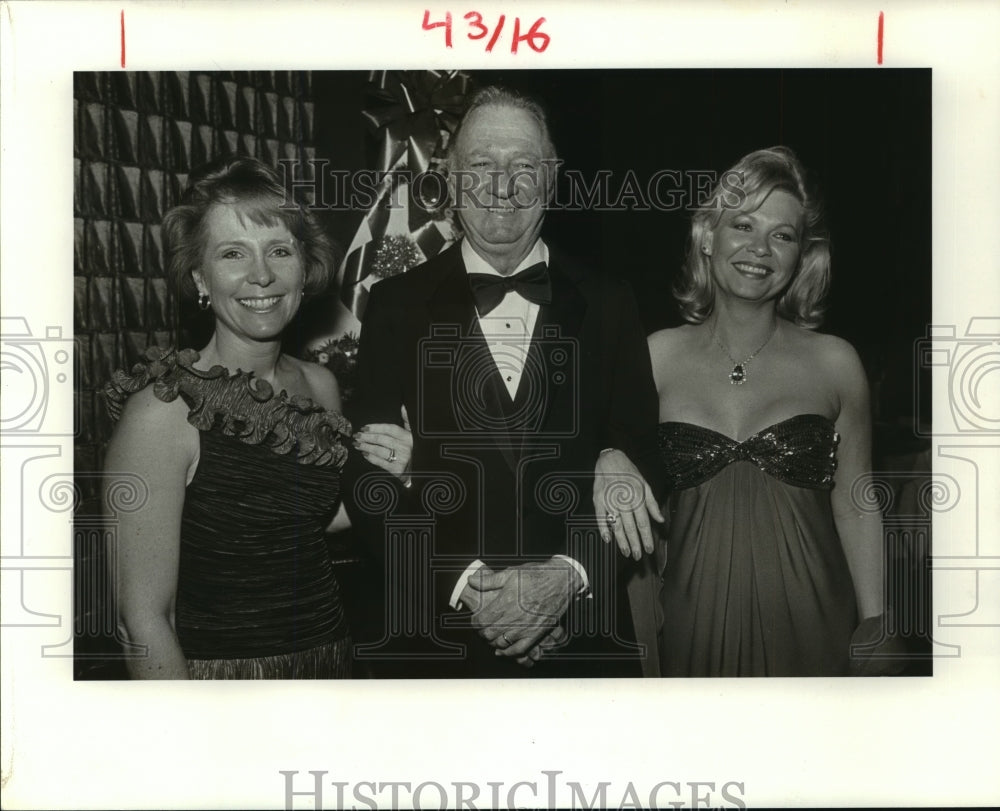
(340, 356)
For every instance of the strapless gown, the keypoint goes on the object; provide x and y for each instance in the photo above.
(755, 582)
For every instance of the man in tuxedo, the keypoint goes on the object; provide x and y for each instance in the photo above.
(519, 370)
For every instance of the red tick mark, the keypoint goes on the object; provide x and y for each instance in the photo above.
(881, 26)
(123, 40)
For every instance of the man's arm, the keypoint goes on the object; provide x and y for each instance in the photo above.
(626, 473)
(378, 393)
(633, 410)
(378, 398)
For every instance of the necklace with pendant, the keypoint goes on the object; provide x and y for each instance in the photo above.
(738, 376)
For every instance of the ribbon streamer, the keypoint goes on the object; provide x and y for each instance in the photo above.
(407, 115)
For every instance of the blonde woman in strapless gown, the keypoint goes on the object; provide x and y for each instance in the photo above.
(768, 567)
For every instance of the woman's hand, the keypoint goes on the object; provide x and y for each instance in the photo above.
(387, 445)
(624, 503)
(875, 650)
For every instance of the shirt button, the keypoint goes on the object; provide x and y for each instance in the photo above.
(508, 326)
(509, 378)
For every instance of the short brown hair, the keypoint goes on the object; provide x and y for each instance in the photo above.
(262, 197)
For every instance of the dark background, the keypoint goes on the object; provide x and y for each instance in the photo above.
(864, 135)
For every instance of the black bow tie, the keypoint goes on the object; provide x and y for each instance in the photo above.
(531, 284)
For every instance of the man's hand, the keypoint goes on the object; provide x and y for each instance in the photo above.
(553, 639)
(471, 598)
(518, 608)
(624, 503)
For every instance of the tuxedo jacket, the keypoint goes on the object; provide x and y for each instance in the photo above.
(506, 480)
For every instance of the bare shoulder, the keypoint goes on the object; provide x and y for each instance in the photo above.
(667, 344)
(832, 354)
(836, 363)
(669, 351)
(321, 383)
(154, 430)
(146, 410)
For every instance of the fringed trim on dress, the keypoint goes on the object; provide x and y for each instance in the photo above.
(243, 405)
(331, 661)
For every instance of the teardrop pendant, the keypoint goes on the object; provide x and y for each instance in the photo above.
(738, 376)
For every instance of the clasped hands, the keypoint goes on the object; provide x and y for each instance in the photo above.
(624, 504)
(517, 610)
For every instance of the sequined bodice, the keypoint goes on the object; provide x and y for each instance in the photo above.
(800, 451)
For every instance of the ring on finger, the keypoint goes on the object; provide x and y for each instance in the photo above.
(392, 456)
(611, 518)
(506, 638)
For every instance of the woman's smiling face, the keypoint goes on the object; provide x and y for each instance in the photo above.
(253, 273)
(754, 254)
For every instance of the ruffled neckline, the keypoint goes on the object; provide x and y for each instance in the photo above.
(239, 404)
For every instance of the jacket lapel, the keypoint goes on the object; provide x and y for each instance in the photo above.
(477, 396)
(552, 368)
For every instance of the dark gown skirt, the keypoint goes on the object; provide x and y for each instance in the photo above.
(755, 581)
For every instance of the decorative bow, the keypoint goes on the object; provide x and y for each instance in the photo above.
(410, 110)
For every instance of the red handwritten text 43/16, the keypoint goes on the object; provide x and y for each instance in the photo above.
(534, 37)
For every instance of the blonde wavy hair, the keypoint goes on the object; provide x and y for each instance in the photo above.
(744, 187)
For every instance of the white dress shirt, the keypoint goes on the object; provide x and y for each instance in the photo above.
(509, 325)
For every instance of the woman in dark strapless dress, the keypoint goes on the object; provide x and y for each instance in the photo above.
(767, 564)
(222, 569)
